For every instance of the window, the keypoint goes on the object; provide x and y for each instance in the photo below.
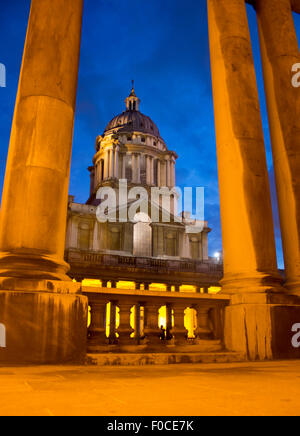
(143, 139)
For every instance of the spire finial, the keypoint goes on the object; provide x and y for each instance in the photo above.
(132, 102)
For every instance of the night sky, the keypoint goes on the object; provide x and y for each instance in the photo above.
(163, 45)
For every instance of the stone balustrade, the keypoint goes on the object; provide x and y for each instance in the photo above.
(138, 327)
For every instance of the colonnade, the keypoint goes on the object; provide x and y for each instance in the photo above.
(140, 324)
(38, 165)
(107, 167)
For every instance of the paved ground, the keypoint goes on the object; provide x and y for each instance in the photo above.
(269, 388)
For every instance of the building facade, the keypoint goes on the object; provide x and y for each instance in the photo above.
(172, 252)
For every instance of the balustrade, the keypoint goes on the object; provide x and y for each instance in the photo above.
(144, 331)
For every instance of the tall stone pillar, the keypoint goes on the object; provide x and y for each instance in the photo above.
(158, 172)
(250, 265)
(152, 170)
(124, 166)
(48, 322)
(148, 170)
(111, 163)
(35, 193)
(116, 163)
(280, 51)
(173, 176)
(247, 224)
(106, 165)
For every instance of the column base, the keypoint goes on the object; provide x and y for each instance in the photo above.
(43, 327)
(293, 287)
(261, 326)
(260, 283)
(34, 266)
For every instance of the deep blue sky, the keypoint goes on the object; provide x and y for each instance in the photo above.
(163, 45)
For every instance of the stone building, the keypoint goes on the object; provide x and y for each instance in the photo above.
(132, 150)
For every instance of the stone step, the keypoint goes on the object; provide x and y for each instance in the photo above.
(139, 359)
(203, 346)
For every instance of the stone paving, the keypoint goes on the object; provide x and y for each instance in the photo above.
(264, 388)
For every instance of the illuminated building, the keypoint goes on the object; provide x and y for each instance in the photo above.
(132, 149)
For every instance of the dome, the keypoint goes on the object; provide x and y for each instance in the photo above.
(132, 121)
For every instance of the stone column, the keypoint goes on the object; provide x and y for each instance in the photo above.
(151, 330)
(137, 323)
(250, 263)
(116, 163)
(148, 170)
(112, 329)
(158, 172)
(96, 245)
(138, 160)
(35, 193)
(173, 176)
(280, 51)
(168, 173)
(134, 167)
(111, 163)
(97, 330)
(46, 321)
(106, 164)
(179, 330)
(203, 330)
(125, 329)
(124, 166)
(151, 170)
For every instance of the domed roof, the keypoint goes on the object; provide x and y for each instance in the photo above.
(133, 121)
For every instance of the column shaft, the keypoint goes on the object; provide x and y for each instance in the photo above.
(35, 193)
(124, 166)
(250, 263)
(111, 163)
(106, 165)
(116, 164)
(280, 51)
(159, 173)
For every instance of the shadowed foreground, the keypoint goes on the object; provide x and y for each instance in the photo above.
(268, 388)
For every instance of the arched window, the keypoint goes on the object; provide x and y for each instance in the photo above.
(142, 236)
